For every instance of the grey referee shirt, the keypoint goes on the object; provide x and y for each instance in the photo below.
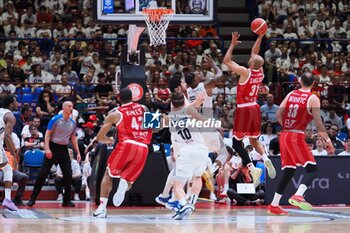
(61, 129)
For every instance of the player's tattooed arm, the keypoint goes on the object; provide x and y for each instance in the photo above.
(112, 118)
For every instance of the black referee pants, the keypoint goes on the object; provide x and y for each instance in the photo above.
(61, 155)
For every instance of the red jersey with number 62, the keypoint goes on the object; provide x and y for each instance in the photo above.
(297, 114)
(130, 125)
(248, 91)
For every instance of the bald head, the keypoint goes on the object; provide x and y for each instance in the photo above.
(256, 62)
(67, 108)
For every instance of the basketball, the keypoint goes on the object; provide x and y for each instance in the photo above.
(259, 26)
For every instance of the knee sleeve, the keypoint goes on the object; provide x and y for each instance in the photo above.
(239, 148)
(311, 168)
(8, 173)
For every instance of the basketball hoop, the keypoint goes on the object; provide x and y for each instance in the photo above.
(157, 21)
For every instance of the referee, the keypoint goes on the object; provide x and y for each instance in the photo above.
(61, 128)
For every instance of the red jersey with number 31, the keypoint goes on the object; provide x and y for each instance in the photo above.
(130, 125)
(248, 91)
(297, 114)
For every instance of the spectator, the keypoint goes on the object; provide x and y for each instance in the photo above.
(35, 141)
(76, 177)
(327, 6)
(103, 91)
(346, 65)
(57, 59)
(71, 74)
(268, 133)
(11, 46)
(332, 133)
(281, 8)
(275, 145)
(44, 30)
(18, 177)
(271, 56)
(7, 87)
(85, 91)
(59, 31)
(324, 109)
(45, 108)
(54, 76)
(162, 94)
(85, 62)
(324, 78)
(319, 26)
(274, 31)
(334, 118)
(347, 147)
(241, 175)
(12, 26)
(289, 34)
(24, 119)
(110, 34)
(270, 108)
(108, 54)
(176, 67)
(36, 122)
(28, 30)
(91, 30)
(319, 147)
(63, 89)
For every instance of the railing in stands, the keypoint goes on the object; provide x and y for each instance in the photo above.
(329, 41)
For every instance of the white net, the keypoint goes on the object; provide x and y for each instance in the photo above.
(157, 21)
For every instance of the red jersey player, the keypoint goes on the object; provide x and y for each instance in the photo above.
(294, 114)
(247, 121)
(129, 156)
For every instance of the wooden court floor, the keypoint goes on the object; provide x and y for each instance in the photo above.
(50, 217)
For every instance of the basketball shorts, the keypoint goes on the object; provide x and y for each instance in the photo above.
(294, 150)
(247, 122)
(3, 157)
(192, 161)
(127, 160)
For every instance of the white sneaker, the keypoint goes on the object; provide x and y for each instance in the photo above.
(76, 197)
(100, 213)
(60, 197)
(212, 196)
(271, 171)
(256, 173)
(119, 196)
(184, 212)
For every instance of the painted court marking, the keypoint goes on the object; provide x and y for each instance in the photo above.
(196, 218)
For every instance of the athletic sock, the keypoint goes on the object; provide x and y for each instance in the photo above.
(183, 201)
(276, 199)
(301, 190)
(193, 199)
(7, 193)
(264, 157)
(103, 202)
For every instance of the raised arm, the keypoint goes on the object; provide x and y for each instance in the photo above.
(257, 45)
(233, 66)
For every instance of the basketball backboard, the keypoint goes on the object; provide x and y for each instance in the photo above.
(129, 11)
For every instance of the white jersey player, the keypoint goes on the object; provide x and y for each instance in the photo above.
(212, 137)
(192, 154)
(7, 122)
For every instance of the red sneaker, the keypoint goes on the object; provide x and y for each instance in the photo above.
(277, 210)
(299, 201)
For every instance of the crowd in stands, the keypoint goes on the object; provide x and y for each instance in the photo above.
(84, 70)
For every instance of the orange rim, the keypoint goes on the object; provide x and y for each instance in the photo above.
(155, 14)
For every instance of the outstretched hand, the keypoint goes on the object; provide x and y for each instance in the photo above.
(235, 37)
(209, 60)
